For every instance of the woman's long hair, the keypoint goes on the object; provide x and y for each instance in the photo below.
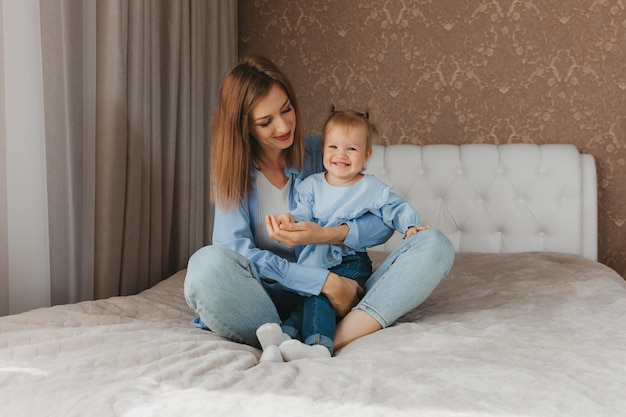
(233, 149)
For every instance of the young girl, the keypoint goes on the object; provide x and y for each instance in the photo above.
(249, 275)
(331, 198)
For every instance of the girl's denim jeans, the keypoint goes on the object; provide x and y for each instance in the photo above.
(315, 321)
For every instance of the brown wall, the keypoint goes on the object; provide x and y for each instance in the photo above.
(442, 71)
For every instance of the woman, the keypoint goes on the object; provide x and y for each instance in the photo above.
(249, 276)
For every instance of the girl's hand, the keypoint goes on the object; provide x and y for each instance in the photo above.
(304, 233)
(285, 218)
(414, 230)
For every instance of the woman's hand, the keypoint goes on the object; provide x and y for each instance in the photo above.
(343, 293)
(304, 233)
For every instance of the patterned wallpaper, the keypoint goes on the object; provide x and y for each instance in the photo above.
(481, 71)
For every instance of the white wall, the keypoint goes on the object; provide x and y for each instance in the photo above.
(24, 164)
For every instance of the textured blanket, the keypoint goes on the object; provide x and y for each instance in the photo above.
(532, 334)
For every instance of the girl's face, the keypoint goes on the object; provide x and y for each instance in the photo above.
(345, 154)
(272, 121)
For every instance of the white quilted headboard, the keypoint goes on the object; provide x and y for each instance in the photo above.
(497, 198)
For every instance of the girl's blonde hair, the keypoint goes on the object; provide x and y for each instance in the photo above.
(233, 149)
(348, 119)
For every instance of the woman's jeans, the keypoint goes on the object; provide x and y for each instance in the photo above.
(315, 320)
(224, 289)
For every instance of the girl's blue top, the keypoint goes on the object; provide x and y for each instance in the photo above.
(329, 205)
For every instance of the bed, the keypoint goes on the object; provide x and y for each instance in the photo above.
(527, 323)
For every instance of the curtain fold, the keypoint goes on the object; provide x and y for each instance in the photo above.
(67, 141)
(129, 89)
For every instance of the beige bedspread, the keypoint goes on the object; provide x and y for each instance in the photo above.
(533, 334)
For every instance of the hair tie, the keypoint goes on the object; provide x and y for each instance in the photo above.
(360, 113)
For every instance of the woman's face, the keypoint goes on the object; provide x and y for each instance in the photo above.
(272, 121)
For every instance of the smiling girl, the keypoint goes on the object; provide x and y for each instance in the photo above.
(332, 198)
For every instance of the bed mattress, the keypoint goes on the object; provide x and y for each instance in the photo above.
(528, 334)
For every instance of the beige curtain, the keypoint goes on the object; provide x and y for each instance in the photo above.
(128, 88)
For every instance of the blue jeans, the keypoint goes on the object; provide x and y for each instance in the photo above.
(223, 288)
(315, 320)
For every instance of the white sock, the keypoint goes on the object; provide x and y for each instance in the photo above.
(294, 349)
(271, 354)
(269, 334)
